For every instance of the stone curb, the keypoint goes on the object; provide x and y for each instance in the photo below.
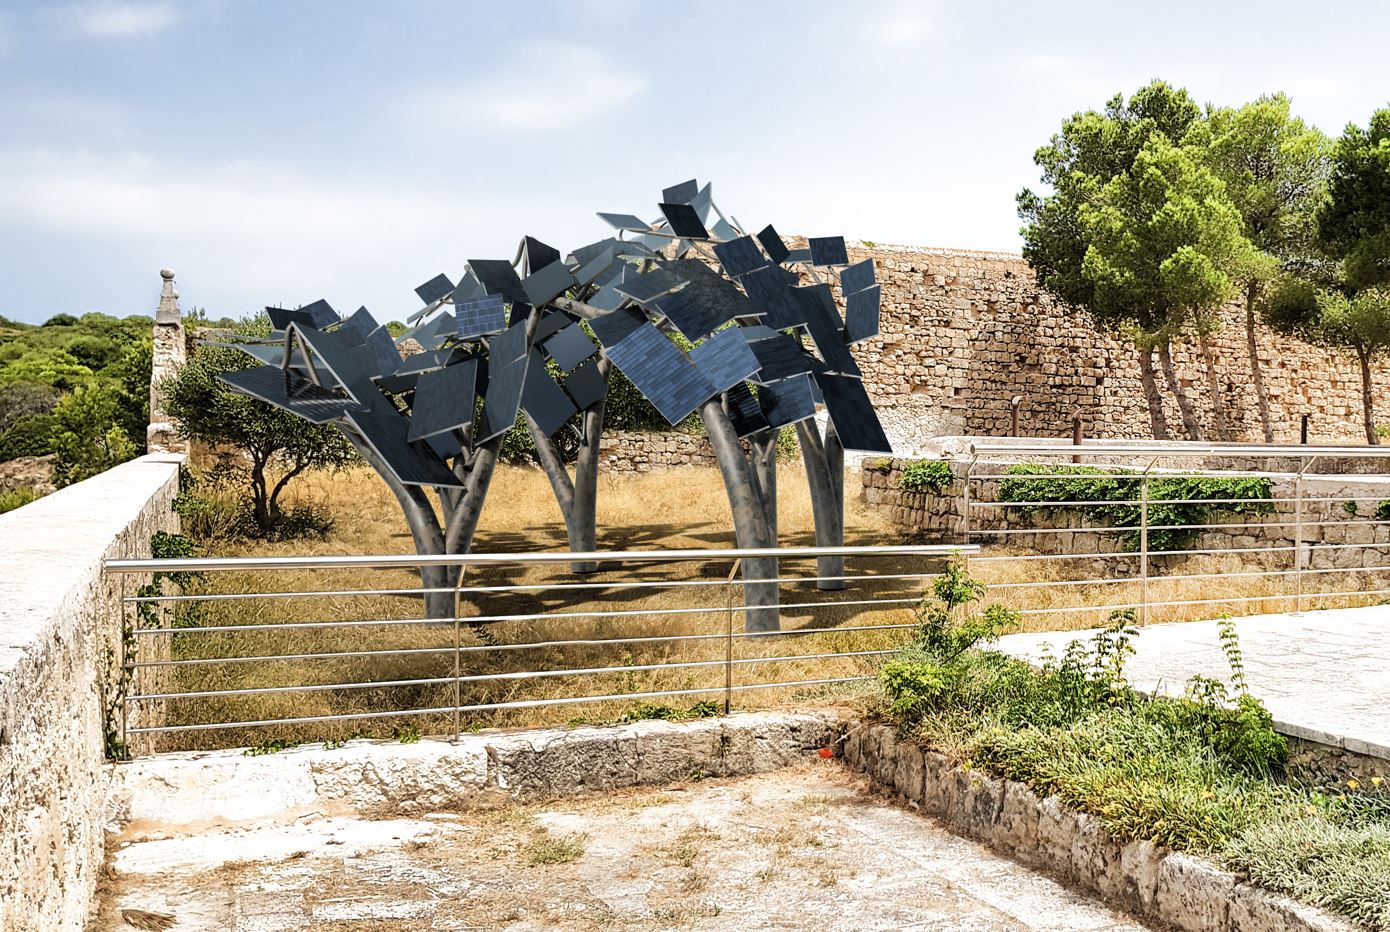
(199, 791)
(1172, 888)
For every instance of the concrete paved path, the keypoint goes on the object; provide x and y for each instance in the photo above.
(803, 848)
(1324, 675)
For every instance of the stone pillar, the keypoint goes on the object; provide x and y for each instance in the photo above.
(170, 353)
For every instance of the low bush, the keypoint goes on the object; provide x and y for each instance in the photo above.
(1202, 772)
(931, 476)
(1112, 498)
(16, 498)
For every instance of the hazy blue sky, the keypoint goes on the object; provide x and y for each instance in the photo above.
(281, 152)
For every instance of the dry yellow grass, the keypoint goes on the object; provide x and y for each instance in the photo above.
(673, 509)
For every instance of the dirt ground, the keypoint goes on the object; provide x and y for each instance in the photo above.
(806, 848)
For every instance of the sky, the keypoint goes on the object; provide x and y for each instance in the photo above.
(277, 153)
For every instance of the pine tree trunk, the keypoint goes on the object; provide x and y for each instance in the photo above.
(1367, 398)
(1170, 374)
(1158, 422)
(1257, 377)
(1218, 403)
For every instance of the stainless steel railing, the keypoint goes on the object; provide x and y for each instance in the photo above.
(243, 656)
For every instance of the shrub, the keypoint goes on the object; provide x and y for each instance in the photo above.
(931, 476)
(30, 435)
(1113, 498)
(16, 498)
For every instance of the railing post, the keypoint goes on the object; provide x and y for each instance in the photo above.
(1298, 536)
(125, 676)
(965, 499)
(458, 659)
(1144, 548)
(729, 636)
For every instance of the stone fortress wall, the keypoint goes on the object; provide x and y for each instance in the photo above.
(963, 332)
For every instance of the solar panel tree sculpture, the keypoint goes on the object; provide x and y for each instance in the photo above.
(514, 337)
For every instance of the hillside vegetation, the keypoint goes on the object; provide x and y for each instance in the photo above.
(75, 390)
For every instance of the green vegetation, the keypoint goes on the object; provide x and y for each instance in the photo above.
(1113, 498)
(77, 389)
(551, 849)
(275, 445)
(1156, 213)
(930, 476)
(9, 501)
(1201, 773)
(646, 711)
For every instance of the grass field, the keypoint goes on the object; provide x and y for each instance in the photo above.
(682, 508)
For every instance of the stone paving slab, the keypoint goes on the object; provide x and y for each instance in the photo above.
(1324, 675)
(809, 847)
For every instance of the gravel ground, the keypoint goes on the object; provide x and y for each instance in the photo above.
(805, 848)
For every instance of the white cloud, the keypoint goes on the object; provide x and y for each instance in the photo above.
(545, 86)
(903, 23)
(122, 19)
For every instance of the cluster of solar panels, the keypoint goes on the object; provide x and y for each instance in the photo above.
(773, 316)
(504, 339)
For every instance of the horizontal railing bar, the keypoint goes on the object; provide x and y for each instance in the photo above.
(494, 706)
(1234, 598)
(1135, 501)
(516, 587)
(1187, 448)
(523, 645)
(221, 564)
(1132, 553)
(1121, 528)
(496, 677)
(532, 616)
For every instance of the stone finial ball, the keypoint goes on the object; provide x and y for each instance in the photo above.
(167, 274)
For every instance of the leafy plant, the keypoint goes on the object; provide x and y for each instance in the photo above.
(931, 476)
(16, 498)
(269, 746)
(1112, 498)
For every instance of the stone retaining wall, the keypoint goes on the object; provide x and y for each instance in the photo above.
(59, 644)
(642, 451)
(1327, 527)
(1171, 888)
(196, 791)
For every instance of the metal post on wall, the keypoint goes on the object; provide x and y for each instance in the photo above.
(1077, 434)
(1303, 430)
(729, 635)
(1014, 404)
(1299, 560)
(458, 668)
(1144, 544)
(965, 499)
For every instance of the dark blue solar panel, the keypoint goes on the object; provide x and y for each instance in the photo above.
(857, 277)
(586, 386)
(779, 357)
(288, 391)
(771, 290)
(502, 401)
(612, 328)
(583, 255)
(853, 414)
(384, 357)
(606, 298)
(547, 404)
(481, 318)
(433, 333)
(625, 222)
(591, 270)
(443, 400)
(724, 230)
(320, 313)
(693, 318)
(649, 285)
(798, 255)
(498, 277)
(570, 347)
(537, 254)
(739, 256)
(360, 324)
(281, 318)
(861, 314)
(547, 284)
(508, 346)
(788, 401)
(436, 289)
(339, 355)
(744, 412)
(824, 325)
(385, 432)
(426, 361)
(681, 193)
(551, 322)
(684, 221)
(445, 446)
(469, 289)
(661, 372)
(828, 250)
(772, 244)
(725, 359)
